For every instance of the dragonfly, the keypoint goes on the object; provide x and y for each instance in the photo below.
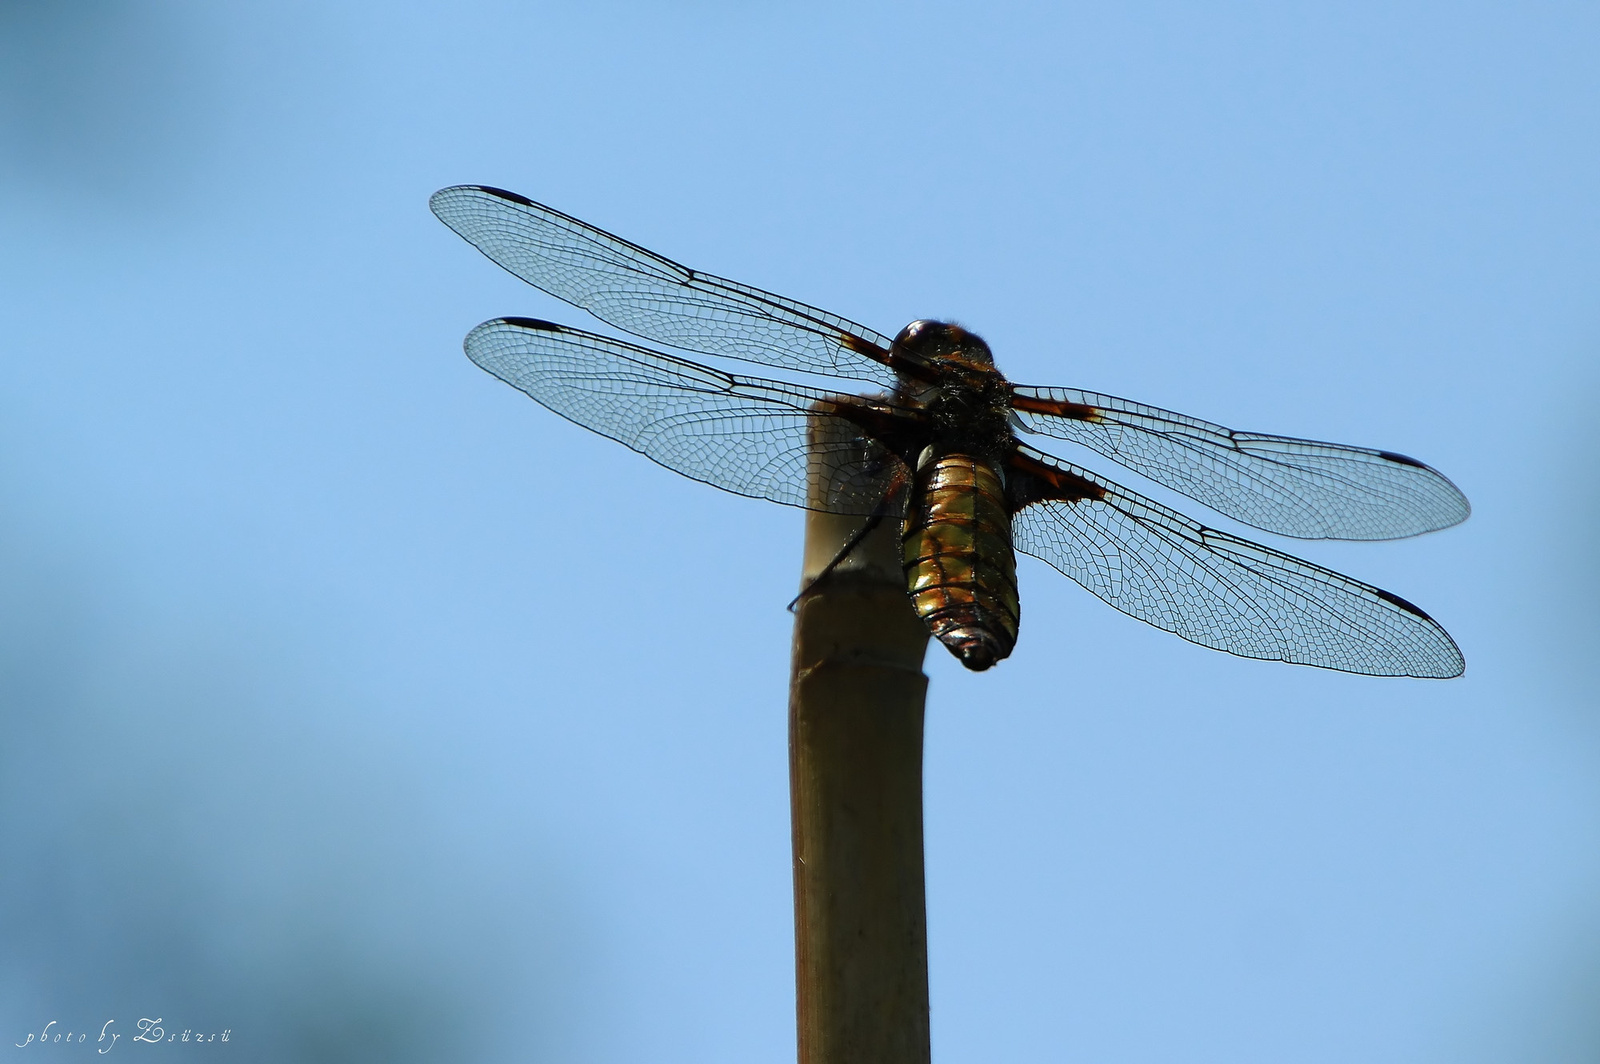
(931, 435)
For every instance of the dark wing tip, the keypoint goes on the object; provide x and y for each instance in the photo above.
(474, 339)
(538, 324)
(1462, 507)
(439, 198)
(503, 194)
(1393, 599)
(1401, 459)
(1455, 665)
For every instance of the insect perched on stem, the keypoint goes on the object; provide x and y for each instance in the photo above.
(938, 446)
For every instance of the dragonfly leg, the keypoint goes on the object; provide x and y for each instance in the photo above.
(850, 544)
(879, 512)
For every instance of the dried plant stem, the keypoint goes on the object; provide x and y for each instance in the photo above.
(855, 771)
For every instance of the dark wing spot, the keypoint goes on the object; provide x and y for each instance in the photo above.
(1034, 404)
(503, 194)
(1402, 460)
(535, 323)
(903, 435)
(864, 348)
(1029, 481)
(1402, 603)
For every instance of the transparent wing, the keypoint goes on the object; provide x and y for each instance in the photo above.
(764, 439)
(654, 297)
(1217, 590)
(1299, 488)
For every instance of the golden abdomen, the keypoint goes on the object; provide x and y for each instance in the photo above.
(960, 568)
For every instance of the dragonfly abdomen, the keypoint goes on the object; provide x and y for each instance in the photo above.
(960, 568)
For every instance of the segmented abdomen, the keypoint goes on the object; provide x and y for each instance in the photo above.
(960, 568)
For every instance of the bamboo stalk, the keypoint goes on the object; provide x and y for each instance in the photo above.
(855, 774)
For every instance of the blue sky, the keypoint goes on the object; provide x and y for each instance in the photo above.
(357, 704)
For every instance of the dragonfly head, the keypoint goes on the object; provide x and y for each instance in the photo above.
(944, 345)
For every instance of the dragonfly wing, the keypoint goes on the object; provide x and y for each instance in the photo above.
(1214, 589)
(654, 297)
(1300, 488)
(764, 439)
